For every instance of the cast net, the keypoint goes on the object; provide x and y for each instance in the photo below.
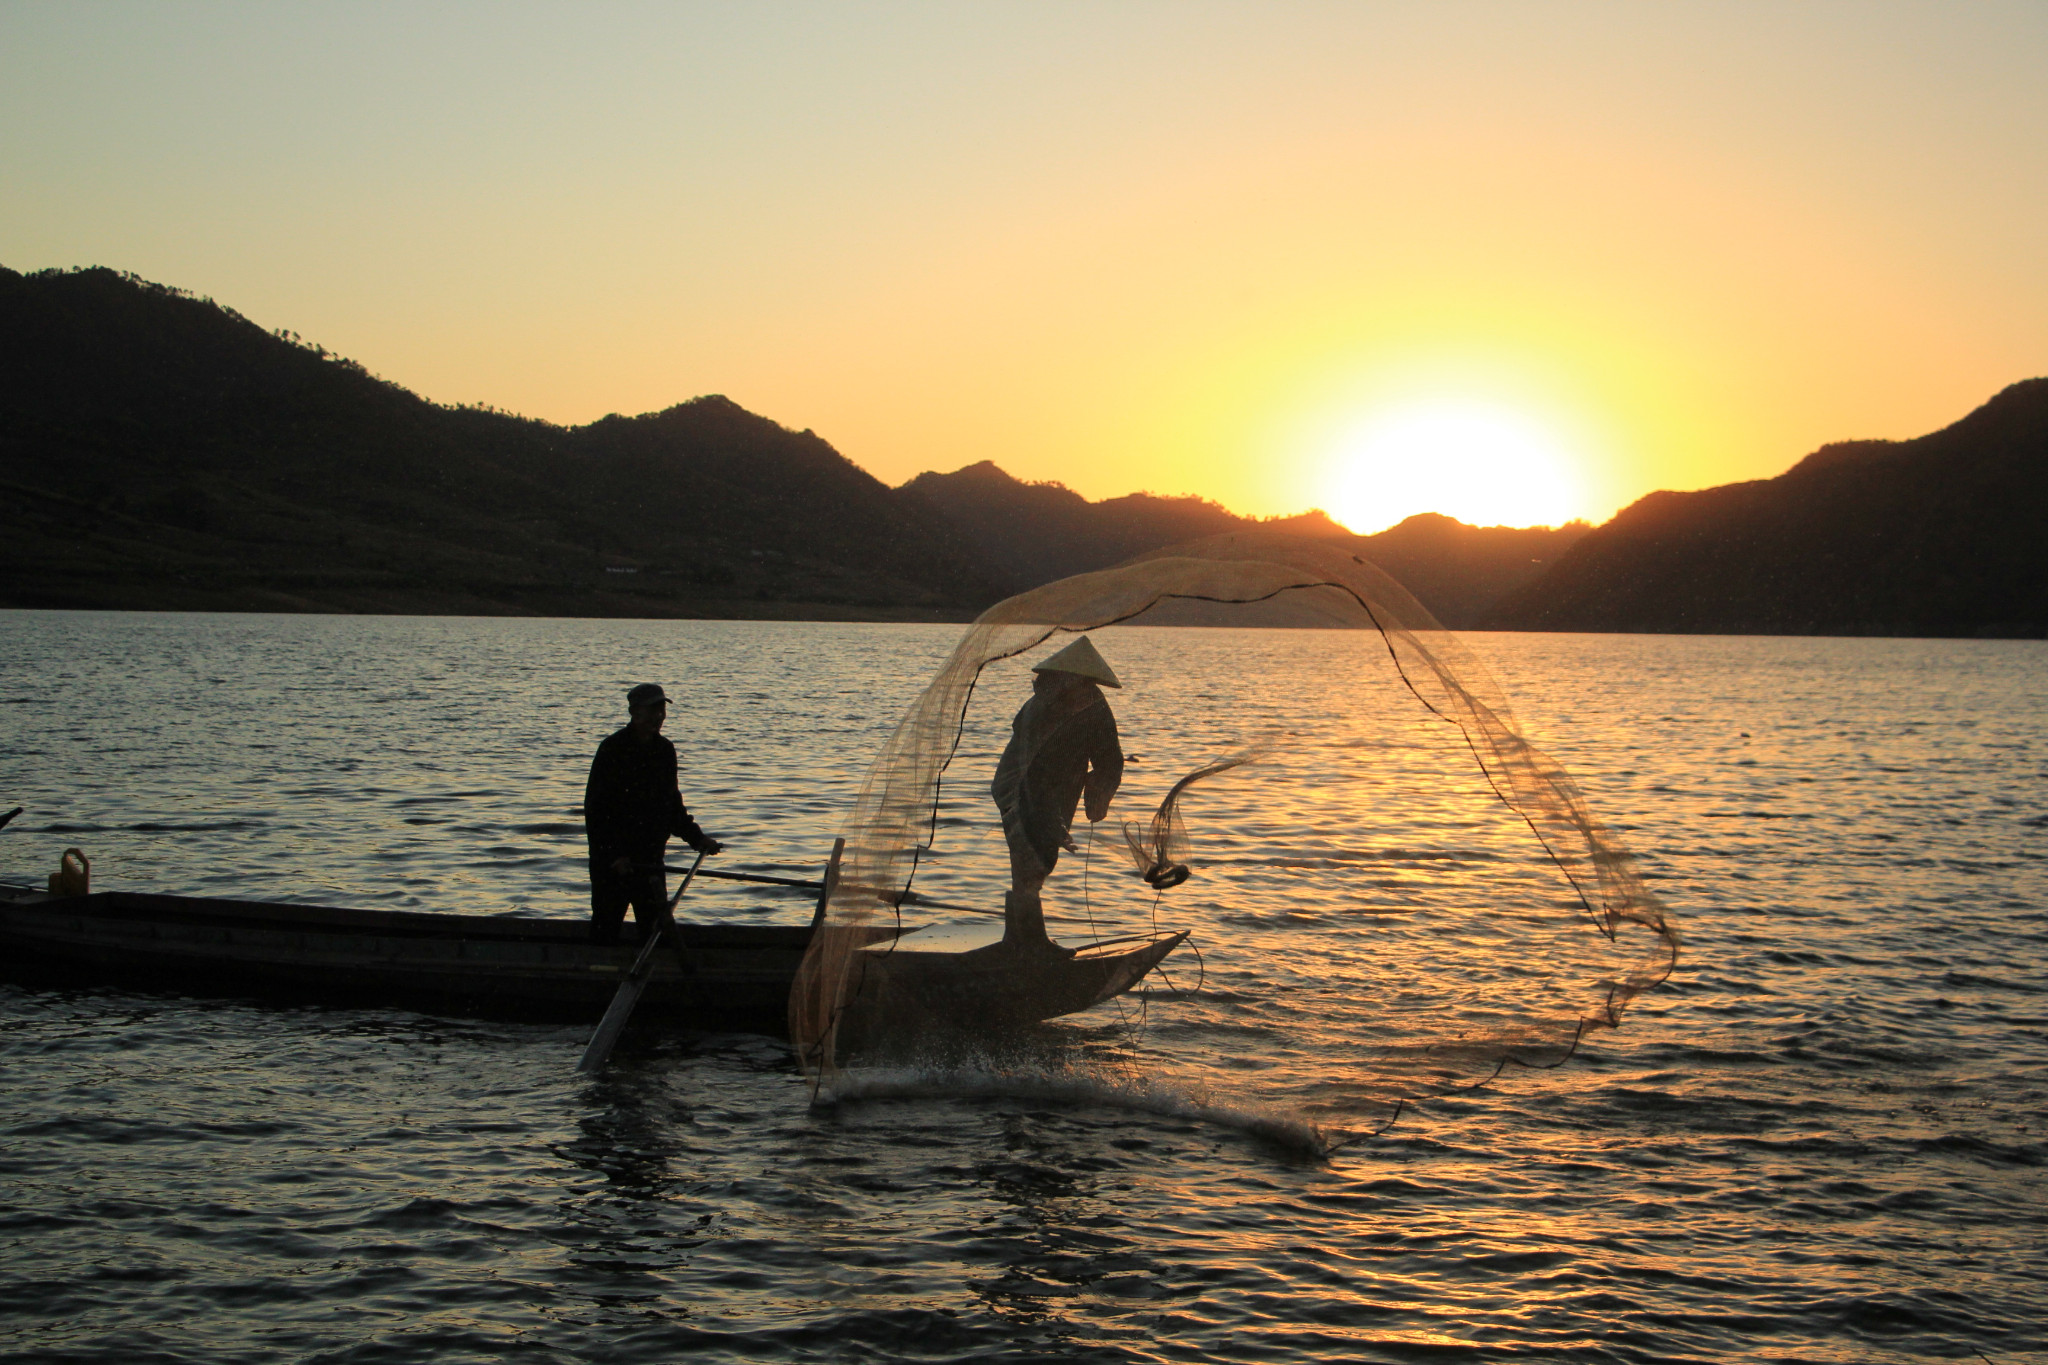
(1390, 891)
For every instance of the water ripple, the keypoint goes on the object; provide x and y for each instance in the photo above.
(1823, 1140)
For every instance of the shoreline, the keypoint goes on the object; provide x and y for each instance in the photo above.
(627, 607)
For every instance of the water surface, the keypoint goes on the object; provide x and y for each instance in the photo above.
(1820, 1140)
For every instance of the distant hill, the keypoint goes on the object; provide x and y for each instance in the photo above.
(1033, 533)
(162, 451)
(1461, 573)
(1942, 535)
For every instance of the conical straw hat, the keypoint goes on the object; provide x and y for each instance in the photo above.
(1079, 658)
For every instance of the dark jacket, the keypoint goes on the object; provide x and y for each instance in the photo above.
(631, 805)
(1060, 749)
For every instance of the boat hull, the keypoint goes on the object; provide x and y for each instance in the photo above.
(733, 976)
(1001, 986)
(904, 1001)
(508, 966)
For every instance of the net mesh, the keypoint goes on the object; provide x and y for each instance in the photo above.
(1429, 984)
(1159, 848)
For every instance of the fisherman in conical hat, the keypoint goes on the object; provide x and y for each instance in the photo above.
(1063, 750)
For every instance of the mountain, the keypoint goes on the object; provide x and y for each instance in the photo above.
(1462, 572)
(1941, 535)
(1033, 533)
(162, 451)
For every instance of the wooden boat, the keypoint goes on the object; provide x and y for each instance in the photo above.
(966, 975)
(502, 966)
(494, 965)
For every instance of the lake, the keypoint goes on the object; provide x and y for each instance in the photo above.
(1824, 1138)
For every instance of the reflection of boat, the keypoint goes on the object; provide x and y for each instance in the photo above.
(738, 976)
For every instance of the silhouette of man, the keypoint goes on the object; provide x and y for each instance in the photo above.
(1063, 748)
(631, 805)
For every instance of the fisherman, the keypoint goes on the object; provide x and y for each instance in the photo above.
(631, 806)
(1063, 748)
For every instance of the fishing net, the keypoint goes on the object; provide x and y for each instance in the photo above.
(1389, 891)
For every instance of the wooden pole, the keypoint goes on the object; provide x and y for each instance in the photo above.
(825, 887)
(635, 984)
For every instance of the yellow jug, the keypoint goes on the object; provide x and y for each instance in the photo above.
(73, 876)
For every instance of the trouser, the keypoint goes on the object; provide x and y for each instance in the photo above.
(1029, 867)
(1023, 912)
(645, 888)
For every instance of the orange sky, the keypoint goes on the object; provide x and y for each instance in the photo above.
(1233, 250)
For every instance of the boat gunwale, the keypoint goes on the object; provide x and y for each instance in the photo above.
(141, 907)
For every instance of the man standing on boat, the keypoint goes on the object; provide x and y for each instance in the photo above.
(1063, 748)
(631, 806)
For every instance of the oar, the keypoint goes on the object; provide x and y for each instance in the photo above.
(887, 898)
(4, 819)
(630, 990)
(758, 877)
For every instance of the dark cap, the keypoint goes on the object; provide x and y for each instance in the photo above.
(646, 694)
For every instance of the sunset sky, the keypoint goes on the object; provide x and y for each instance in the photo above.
(1514, 262)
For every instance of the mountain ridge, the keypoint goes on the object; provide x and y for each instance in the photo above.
(1035, 532)
(1938, 535)
(165, 451)
(159, 450)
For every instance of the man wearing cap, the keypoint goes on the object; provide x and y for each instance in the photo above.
(631, 806)
(1063, 748)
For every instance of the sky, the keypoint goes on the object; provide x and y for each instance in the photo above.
(1513, 262)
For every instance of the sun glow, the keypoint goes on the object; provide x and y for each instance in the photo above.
(1484, 465)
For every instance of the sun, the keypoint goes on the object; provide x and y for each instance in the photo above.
(1484, 465)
